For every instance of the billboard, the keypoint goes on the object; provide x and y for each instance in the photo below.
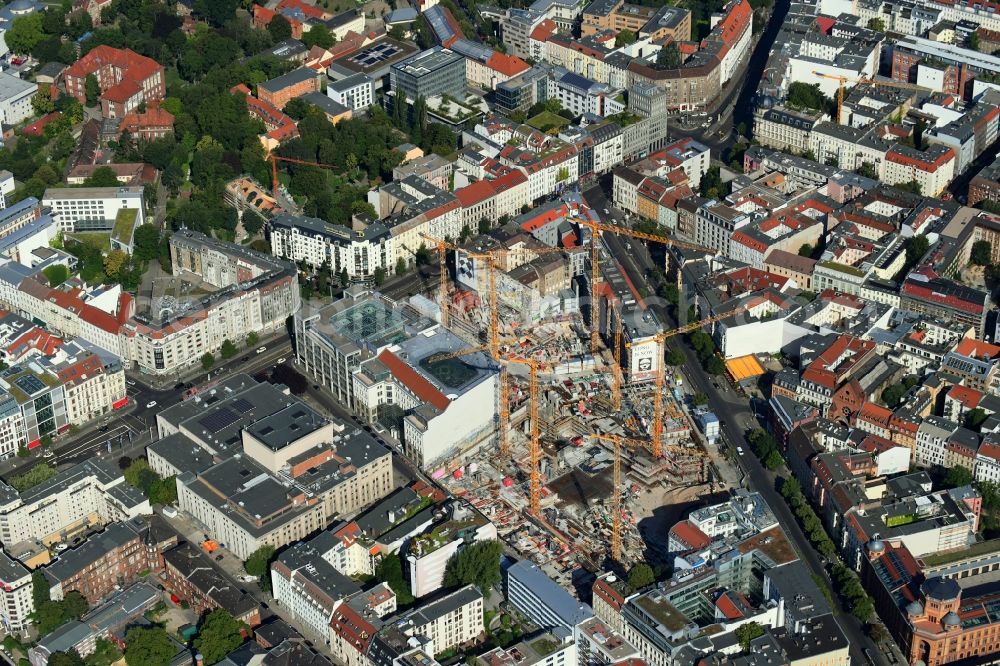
(644, 360)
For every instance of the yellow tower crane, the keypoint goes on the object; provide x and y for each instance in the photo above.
(595, 273)
(616, 497)
(658, 340)
(843, 79)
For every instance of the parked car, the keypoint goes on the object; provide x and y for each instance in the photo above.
(739, 450)
(218, 558)
(150, 404)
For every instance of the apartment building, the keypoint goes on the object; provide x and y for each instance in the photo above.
(615, 15)
(308, 587)
(126, 79)
(110, 560)
(429, 552)
(932, 169)
(445, 415)
(715, 225)
(985, 185)
(543, 600)
(784, 129)
(93, 380)
(450, 621)
(250, 291)
(91, 493)
(82, 209)
(360, 251)
(16, 594)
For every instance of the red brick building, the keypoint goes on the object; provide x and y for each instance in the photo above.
(155, 123)
(126, 79)
(282, 89)
(191, 576)
(111, 560)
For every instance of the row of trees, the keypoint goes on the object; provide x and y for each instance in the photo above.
(791, 490)
(704, 347)
(766, 449)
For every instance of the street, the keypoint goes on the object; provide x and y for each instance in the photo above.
(735, 418)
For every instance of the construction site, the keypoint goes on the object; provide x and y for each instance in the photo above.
(593, 436)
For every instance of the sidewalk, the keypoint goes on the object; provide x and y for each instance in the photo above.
(195, 374)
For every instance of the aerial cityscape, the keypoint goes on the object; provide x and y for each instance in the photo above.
(510, 333)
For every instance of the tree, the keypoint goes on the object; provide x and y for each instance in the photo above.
(252, 339)
(207, 361)
(390, 571)
(102, 177)
(982, 253)
(892, 395)
(37, 474)
(400, 266)
(42, 102)
(279, 28)
(71, 658)
(714, 365)
(916, 249)
(807, 96)
(25, 33)
(56, 274)
(747, 632)
(641, 575)
(806, 250)
(957, 476)
(624, 38)
(50, 614)
(478, 564)
(911, 186)
(876, 24)
(675, 357)
(218, 11)
(318, 35)
(700, 399)
(39, 588)
(148, 647)
(259, 565)
(974, 43)
(114, 262)
(229, 349)
(93, 89)
(218, 635)
(146, 242)
(974, 418)
(105, 653)
(379, 276)
(868, 170)
(669, 57)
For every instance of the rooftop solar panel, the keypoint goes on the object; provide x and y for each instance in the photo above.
(242, 405)
(219, 419)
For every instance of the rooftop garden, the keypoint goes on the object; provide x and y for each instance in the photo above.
(124, 225)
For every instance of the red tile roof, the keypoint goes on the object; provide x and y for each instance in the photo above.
(967, 396)
(508, 65)
(687, 533)
(413, 380)
(973, 347)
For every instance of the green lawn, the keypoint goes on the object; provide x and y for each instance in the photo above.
(546, 120)
(97, 238)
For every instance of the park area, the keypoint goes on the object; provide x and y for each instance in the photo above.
(547, 120)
